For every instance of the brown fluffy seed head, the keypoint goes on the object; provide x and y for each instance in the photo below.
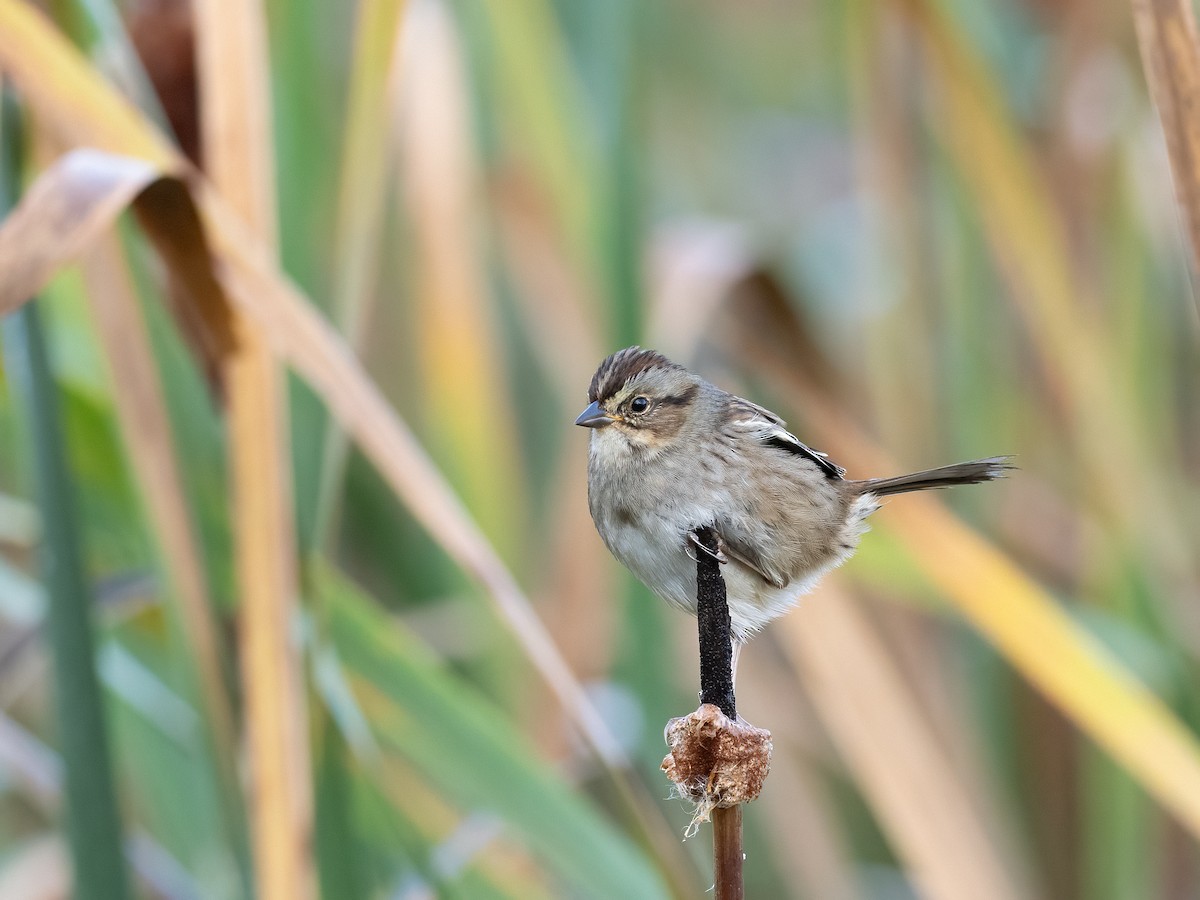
(716, 761)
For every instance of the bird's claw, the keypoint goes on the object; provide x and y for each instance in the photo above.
(696, 542)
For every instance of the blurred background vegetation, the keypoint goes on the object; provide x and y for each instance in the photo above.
(251, 642)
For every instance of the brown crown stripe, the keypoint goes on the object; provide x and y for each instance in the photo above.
(616, 371)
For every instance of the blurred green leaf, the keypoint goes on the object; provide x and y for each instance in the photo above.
(93, 823)
(468, 750)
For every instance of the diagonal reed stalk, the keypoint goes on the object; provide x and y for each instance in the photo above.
(142, 413)
(82, 110)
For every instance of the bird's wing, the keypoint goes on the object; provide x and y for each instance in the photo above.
(735, 544)
(772, 431)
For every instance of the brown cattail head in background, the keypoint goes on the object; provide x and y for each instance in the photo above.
(164, 37)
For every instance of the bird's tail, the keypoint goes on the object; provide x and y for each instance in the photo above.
(947, 476)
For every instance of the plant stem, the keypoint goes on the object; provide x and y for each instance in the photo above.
(716, 686)
(727, 853)
(712, 617)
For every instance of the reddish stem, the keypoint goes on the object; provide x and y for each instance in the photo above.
(727, 854)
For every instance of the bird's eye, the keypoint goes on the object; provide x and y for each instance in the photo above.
(639, 404)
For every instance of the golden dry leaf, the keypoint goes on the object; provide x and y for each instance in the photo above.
(54, 78)
(52, 224)
(1029, 240)
(239, 158)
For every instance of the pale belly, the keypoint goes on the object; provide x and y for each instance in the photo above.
(658, 554)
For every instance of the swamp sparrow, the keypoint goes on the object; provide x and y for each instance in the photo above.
(670, 453)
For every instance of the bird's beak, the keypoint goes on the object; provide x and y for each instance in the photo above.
(594, 417)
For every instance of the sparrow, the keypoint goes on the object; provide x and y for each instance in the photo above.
(670, 453)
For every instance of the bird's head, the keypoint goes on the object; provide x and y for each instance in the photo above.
(640, 397)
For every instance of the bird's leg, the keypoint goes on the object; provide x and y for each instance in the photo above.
(696, 542)
(733, 663)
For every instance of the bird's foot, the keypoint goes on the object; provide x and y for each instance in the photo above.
(694, 541)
